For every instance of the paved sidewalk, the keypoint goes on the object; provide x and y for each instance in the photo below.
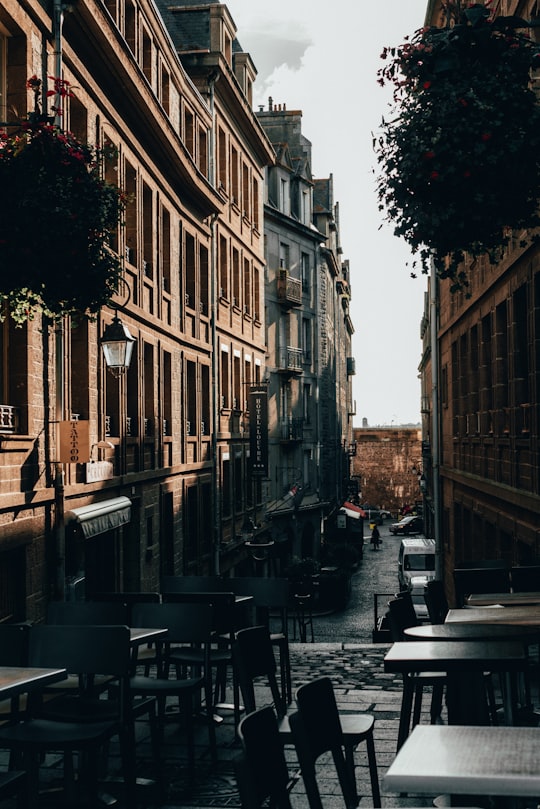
(360, 684)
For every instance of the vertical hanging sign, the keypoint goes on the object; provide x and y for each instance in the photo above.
(258, 429)
(74, 441)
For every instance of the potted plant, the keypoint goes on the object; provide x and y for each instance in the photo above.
(56, 219)
(459, 156)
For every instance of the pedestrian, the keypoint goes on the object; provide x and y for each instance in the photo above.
(375, 538)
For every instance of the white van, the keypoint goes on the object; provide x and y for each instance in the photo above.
(416, 559)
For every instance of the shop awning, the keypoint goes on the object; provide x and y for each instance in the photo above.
(100, 517)
(353, 511)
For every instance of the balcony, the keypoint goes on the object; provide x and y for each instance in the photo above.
(290, 361)
(289, 290)
(292, 431)
(9, 419)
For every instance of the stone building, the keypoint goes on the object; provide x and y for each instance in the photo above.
(387, 466)
(309, 330)
(487, 348)
(161, 490)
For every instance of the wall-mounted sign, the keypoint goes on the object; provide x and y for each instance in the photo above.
(99, 470)
(258, 430)
(74, 441)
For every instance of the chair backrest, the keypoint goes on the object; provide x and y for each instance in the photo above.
(270, 595)
(81, 649)
(436, 601)
(525, 579)
(467, 564)
(480, 580)
(401, 616)
(316, 729)
(262, 771)
(14, 644)
(222, 603)
(88, 612)
(185, 623)
(253, 657)
(192, 584)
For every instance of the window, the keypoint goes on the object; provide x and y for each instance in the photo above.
(306, 272)
(226, 488)
(203, 152)
(147, 55)
(223, 268)
(237, 382)
(148, 232)
(306, 338)
(204, 280)
(305, 212)
(131, 27)
(205, 403)
(165, 89)
(224, 378)
(190, 279)
(306, 409)
(149, 401)
(189, 132)
(234, 175)
(255, 204)
(222, 159)
(256, 294)
(131, 215)
(245, 191)
(191, 398)
(284, 202)
(247, 287)
(165, 251)
(235, 277)
(166, 394)
(283, 256)
(13, 377)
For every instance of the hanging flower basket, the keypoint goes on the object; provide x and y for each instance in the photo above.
(56, 214)
(460, 157)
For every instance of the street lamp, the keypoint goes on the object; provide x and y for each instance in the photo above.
(117, 345)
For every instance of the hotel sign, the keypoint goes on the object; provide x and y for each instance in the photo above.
(258, 430)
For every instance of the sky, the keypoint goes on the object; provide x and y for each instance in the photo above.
(322, 58)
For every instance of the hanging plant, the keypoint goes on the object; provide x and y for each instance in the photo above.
(56, 214)
(460, 157)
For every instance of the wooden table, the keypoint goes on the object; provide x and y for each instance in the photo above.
(16, 680)
(502, 761)
(503, 599)
(522, 616)
(475, 631)
(464, 663)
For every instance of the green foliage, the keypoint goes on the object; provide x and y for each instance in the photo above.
(56, 212)
(460, 157)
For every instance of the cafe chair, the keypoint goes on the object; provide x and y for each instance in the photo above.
(271, 599)
(81, 723)
(223, 634)
(261, 770)
(128, 598)
(525, 579)
(95, 613)
(14, 784)
(192, 584)
(402, 616)
(479, 580)
(318, 727)
(185, 624)
(436, 601)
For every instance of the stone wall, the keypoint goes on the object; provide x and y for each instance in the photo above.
(384, 463)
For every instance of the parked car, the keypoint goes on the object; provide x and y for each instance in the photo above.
(408, 525)
(374, 514)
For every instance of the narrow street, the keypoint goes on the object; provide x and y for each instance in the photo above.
(377, 573)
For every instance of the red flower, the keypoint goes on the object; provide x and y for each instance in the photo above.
(486, 136)
(434, 175)
(429, 155)
(463, 102)
(426, 85)
(467, 173)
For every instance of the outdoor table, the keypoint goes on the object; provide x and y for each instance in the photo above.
(522, 616)
(464, 663)
(17, 680)
(475, 631)
(501, 761)
(140, 635)
(502, 599)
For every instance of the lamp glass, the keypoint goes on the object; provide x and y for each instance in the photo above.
(117, 345)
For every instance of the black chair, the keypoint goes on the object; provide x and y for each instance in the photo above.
(480, 580)
(185, 624)
(436, 601)
(223, 634)
(401, 616)
(261, 772)
(525, 579)
(302, 596)
(127, 598)
(318, 727)
(192, 584)
(271, 599)
(80, 723)
(84, 613)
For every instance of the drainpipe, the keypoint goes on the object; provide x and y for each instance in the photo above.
(435, 427)
(59, 484)
(216, 492)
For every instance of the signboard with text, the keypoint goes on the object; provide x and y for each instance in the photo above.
(74, 441)
(258, 430)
